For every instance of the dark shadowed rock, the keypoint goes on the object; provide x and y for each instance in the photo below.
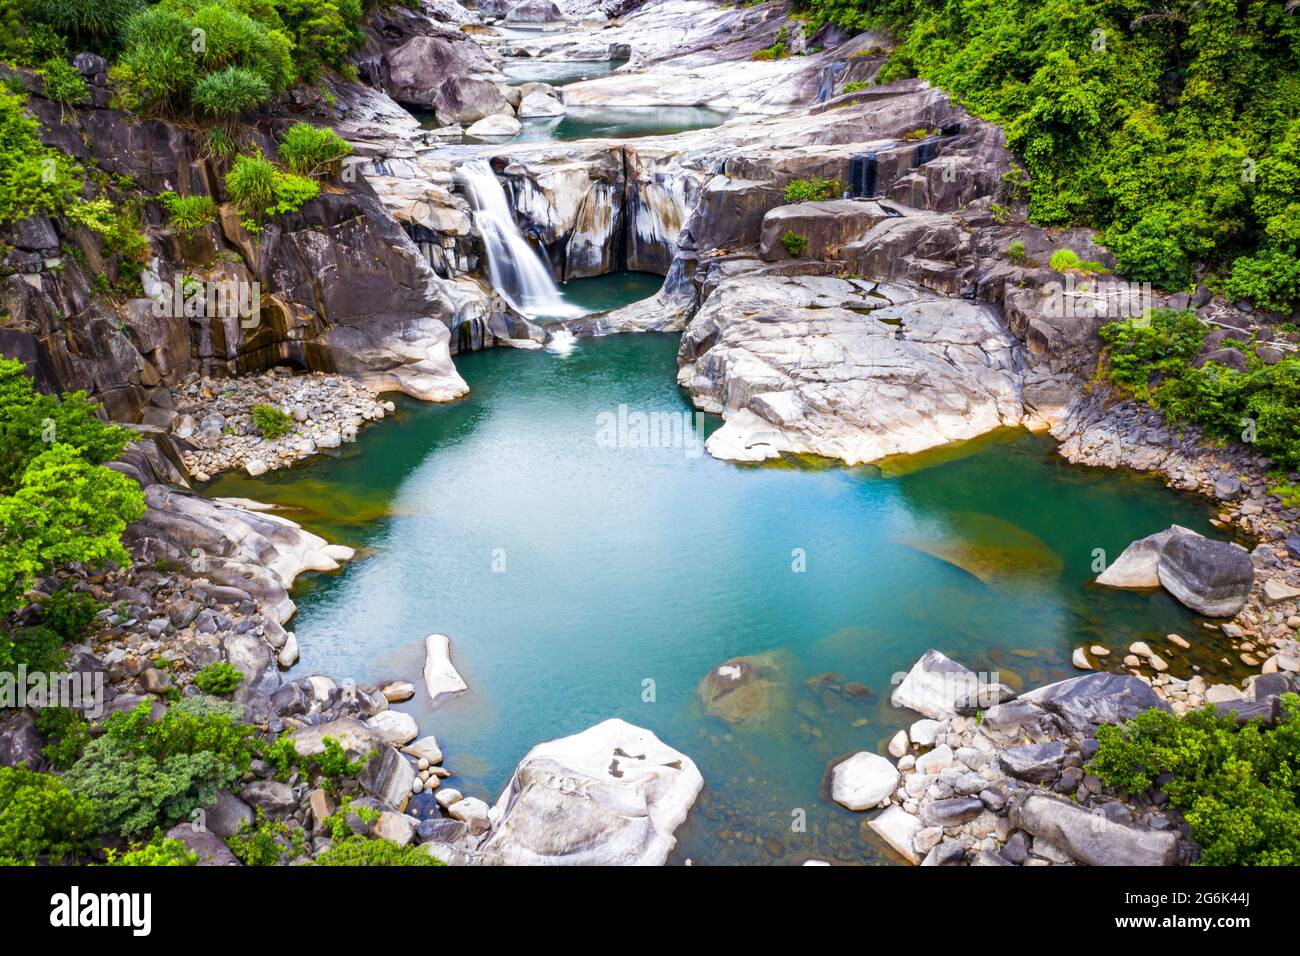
(1091, 838)
(953, 812)
(1211, 577)
(227, 815)
(1037, 763)
(1093, 699)
(20, 743)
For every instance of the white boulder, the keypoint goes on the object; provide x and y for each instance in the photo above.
(863, 781)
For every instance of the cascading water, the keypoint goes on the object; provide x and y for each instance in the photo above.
(516, 269)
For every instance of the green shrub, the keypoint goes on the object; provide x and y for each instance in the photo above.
(145, 773)
(70, 613)
(1237, 787)
(93, 24)
(68, 733)
(855, 86)
(118, 225)
(261, 190)
(188, 214)
(310, 150)
(266, 842)
(34, 180)
(812, 190)
(38, 649)
(1270, 279)
(160, 851)
(358, 850)
(63, 84)
(1063, 260)
(218, 678)
(794, 243)
(58, 504)
(271, 422)
(1016, 253)
(40, 818)
(230, 93)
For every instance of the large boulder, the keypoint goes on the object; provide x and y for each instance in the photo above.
(611, 795)
(1092, 838)
(418, 67)
(1211, 577)
(1081, 703)
(466, 100)
(898, 828)
(440, 675)
(534, 11)
(1139, 565)
(21, 743)
(935, 685)
(207, 846)
(863, 781)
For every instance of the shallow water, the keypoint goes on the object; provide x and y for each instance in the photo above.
(610, 291)
(557, 73)
(569, 575)
(598, 122)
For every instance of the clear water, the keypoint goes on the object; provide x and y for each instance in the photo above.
(628, 565)
(610, 291)
(624, 122)
(560, 73)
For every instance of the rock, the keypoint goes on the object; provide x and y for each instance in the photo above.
(322, 807)
(398, 691)
(1279, 592)
(863, 781)
(934, 761)
(1227, 488)
(947, 853)
(1035, 763)
(898, 828)
(288, 654)
(539, 104)
(924, 732)
(496, 125)
(462, 99)
(1211, 577)
(388, 777)
(534, 11)
(473, 812)
(744, 690)
(418, 67)
(270, 796)
(395, 827)
(611, 795)
(1223, 694)
(357, 739)
(21, 743)
(395, 727)
(426, 748)
(1016, 849)
(440, 676)
(227, 815)
(211, 849)
(1138, 565)
(934, 685)
(1093, 838)
(1080, 659)
(898, 744)
(1084, 702)
(440, 830)
(952, 812)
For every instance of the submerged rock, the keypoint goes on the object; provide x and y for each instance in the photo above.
(611, 795)
(744, 689)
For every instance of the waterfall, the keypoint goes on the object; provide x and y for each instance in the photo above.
(516, 269)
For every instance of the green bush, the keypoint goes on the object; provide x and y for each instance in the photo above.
(1064, 260)
(145, 773)
(93, 24)
(230, 93)
(358, 850)
(1174, 130)
(812, 190)
(160, 851)
(218, 678)
(38, 649)
(1016, 253)
(188, 214)
(40, 818)
(260, 190)
(266, 842)
(1152, 363)
(63, 84)
(1237, 787)
(68, 733)
(34, 180)
(309, 150)
(271, 422)
(855, 86)
(794, 243)
(58, 504)
(70, 613)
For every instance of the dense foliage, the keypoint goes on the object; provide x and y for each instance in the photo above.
(260, 190)
(1173, 128)
(312, 150)
(39, 818)
(1261, 405)
(144, 773)
(363, 851)
(812, 190)
(33, 179)
(1236, 786)
(58, 504)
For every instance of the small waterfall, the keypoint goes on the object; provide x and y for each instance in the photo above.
(826, 83)
(862, 175)
(515, 268)
(561, 341)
